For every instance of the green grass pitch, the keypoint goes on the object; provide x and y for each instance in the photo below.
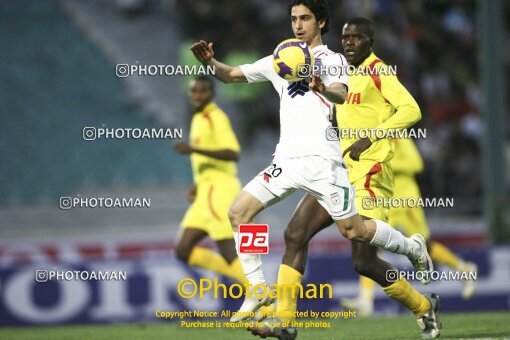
(458, 325)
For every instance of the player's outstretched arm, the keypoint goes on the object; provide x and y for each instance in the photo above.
(224, 155)
(204, 53)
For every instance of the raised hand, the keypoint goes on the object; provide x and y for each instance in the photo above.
(183, 148)
(317, 85)
(203, 51)
(357, 148)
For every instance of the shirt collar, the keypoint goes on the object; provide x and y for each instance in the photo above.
(369, 59)
(208, 108)
(319, 48)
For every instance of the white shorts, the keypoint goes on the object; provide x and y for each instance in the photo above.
(326, 179)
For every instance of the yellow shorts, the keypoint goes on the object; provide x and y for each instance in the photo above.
(209, 210)
(371, 180)
(411, 220)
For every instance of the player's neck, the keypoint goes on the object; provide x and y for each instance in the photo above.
(202, 107)
(317, 41)
(362, 59)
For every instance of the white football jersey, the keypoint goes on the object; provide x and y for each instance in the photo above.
(304, 114)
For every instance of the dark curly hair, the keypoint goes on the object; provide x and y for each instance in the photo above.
(319, 8)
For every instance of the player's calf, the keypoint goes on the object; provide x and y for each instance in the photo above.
(182, 252)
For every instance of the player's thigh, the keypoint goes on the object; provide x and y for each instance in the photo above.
(271, 185)
(331, 187)
(373, 184)
(308, 219)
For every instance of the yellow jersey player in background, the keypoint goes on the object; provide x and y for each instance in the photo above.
(406, 163)
(214, 149)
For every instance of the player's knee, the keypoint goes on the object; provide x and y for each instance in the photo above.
(351, 233)
(363, 266)
(183, 251)
(354, 232)
(237, 215)
(356, 235)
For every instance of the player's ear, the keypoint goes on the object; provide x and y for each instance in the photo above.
(322, 23)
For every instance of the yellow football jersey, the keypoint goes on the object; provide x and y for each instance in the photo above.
(211, 130)
(376, 100)
(407, 159)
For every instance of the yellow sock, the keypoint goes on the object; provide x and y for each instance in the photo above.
(403, 292)
(366, 288)
(208, 259)
(440, 254)
(286, 305)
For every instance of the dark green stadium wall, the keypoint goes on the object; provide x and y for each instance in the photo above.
(53, 83)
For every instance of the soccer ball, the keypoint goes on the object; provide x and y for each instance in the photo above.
(293, 60)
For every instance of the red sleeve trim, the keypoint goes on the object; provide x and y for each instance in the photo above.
(208, 118)
(374, 74)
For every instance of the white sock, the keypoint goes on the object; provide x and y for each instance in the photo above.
(252, 265)
(392, 240)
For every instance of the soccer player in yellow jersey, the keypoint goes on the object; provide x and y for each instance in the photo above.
(406, 163)
(214, 149)
(375, 100)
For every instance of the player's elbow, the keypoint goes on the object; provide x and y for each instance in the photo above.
(228, 80)
(416, 113)
(235, 75)
(340, 99)
(228, 77)
(225, 80)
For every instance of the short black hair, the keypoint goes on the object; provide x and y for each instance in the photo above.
(319, 8)
(367, 25)
(206, 79)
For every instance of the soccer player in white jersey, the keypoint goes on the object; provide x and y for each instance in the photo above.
(304, 158)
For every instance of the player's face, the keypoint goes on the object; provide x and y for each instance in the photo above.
(304, 24)
(199, 94)
(356, 43)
